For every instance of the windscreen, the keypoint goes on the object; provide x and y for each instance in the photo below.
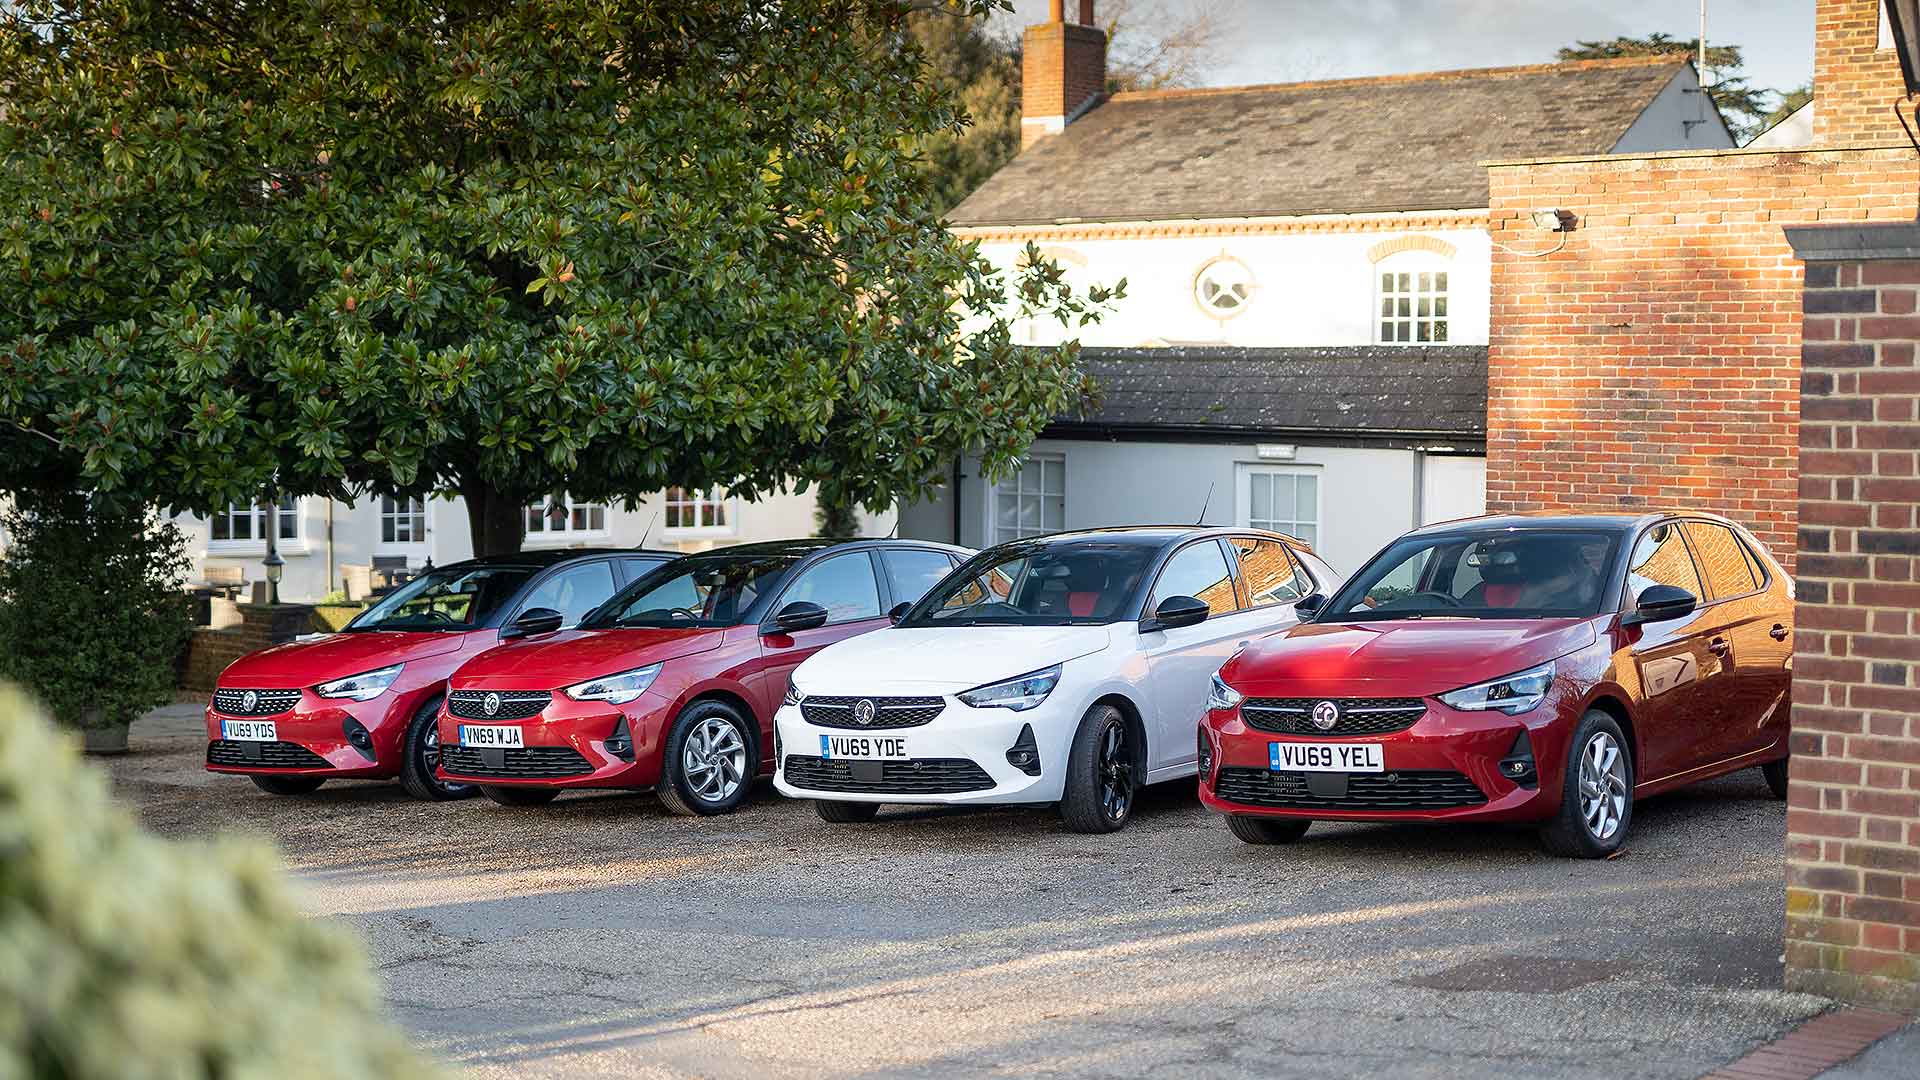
(1501, 575)
(1034, 583)
(699, 590)
(448, 599)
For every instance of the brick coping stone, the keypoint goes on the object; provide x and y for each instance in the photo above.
(1814, 1047)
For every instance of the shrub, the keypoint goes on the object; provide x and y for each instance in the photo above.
(126, 956)
(92, 613)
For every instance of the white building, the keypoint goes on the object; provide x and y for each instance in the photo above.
(1307, 271)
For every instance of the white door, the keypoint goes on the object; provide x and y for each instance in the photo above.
(1181, 661)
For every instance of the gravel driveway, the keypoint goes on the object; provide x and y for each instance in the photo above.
(600, 937)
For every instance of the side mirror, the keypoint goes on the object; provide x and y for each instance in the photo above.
(1660, 603)
(1310, 604)
(1175, 612)
(800, 615)
(899, 611)
(539, 620)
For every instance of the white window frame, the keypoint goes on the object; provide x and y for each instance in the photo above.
(566, 533)
(1011, 485)
(696, 502)
(286, 545)
(1243, 502)
(402, 547)
(1413, 265)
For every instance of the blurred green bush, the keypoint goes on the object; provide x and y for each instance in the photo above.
(129, 957)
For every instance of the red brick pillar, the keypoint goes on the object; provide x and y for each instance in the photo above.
(1853, 817)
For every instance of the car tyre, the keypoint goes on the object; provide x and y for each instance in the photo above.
(845, 813)
(710, 761)
(420, 756)
(1596, 796)
(1102, 777)
(287, 785)
(1776, 774)
(1259, 830)
(519, 796)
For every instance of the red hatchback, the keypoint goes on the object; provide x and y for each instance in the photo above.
(674, 683)
(1547, 669)
(361, 704)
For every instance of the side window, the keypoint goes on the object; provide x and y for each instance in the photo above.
(574, 591)
(1271, 575)
(1722, 558)
(1660, 558)
(1197, 570)
(638, 568)
(843, 584)
(914, 572)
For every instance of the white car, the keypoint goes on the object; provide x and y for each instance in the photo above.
(1065, 669)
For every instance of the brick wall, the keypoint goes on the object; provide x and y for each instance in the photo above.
(211, 649)
(1654, 360)
(1856, 82)
(1853, 818)
(1063, 65)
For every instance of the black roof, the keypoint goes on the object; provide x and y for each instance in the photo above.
(1558, 519)
(1363, 391)
(803, 546)
(1392, 143)
(545, 557)
(1140, 535)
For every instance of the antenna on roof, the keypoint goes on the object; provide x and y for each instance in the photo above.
(1204, 504)
(648, 529)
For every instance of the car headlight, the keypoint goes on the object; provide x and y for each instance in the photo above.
(362, 687)
(1019, 693)
(1220, 696)
(615, 689)
(794, 696)
(1510, 694)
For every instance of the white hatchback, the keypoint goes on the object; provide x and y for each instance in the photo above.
(1065, 669)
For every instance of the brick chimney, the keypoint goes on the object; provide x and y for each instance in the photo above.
(1856, 77)
(1063, 71)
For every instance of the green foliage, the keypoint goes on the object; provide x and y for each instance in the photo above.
(1743, 107)
(124, 957)
(981, 72)
(835, 520)
(340, 246)
(92, 616)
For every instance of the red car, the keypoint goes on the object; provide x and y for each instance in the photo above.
(361, 704)
(1546, 669)
(674, 683)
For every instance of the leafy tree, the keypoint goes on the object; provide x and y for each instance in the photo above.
(1743, 106)
(342, 247)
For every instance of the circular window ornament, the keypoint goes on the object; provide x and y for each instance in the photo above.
(1224, 287)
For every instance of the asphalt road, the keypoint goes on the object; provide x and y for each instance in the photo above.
(599, 936)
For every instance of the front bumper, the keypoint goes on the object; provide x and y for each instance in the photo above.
(312, 740)
(566, 746)
(1446, 767)
(957, 758)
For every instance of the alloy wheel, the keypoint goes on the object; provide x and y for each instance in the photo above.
(1116, 772)
(714, 760)
(1603, 786)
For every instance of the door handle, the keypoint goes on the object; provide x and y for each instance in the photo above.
(1719, 647)
(1779, 632)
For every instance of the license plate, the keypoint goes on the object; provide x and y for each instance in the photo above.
(1324, 757)
(491, 737)
(863, 747)
(249, 731)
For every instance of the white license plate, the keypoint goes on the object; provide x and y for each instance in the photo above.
(249, 730)
(863, 747)
(1324, 757)
(494, 737)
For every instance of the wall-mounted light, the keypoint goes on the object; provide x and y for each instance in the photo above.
(1553, 219)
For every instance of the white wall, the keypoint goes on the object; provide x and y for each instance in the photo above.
(1311, 288)
(1452, 487)
(1679, 118)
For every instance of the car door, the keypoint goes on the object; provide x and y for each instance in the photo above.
(1674, 725)
(1743, 633)
(1181, 661)
(848, 586)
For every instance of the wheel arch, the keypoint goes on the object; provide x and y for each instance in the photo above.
(1614, 705)
(1136, 726)
(736, 699)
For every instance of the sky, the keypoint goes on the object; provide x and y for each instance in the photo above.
(1286, 40)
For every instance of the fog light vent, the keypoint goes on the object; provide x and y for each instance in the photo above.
(1024, 754)
(620, 743)
(358, 737)
(1206, 755)
(1518, 767)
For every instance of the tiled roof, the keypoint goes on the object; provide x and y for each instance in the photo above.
(1401, 142)
(1380, 391)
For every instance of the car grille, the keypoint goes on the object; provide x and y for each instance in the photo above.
(1404, 790)
(527, 763)
(265, 702)
(273, 755)
(1358, 716)
(888, 712)
(924, 776)
(514, 704)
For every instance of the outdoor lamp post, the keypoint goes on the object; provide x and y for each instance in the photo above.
(273, 562)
